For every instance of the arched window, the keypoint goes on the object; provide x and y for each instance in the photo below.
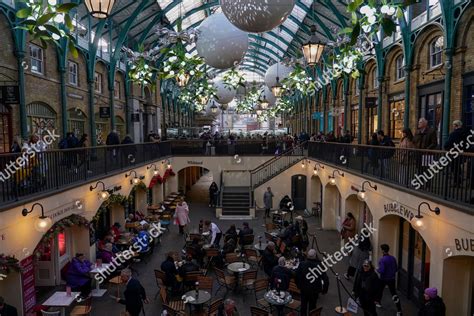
(400, 67)
(436, 51)
(41, 117)
(76, 122)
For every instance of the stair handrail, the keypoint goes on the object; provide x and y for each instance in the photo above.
(286, 153)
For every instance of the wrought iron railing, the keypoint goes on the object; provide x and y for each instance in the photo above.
(221, 147)
(445, 175)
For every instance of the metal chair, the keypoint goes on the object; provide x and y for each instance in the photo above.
(261, 286)
(248, 279)
(224, 281)
(160, 278)
(210, 254)
(253, 257)
(82, 310)
(206, 283)
(247, 240)
(190, 278)
(231, 258)
(171, 311)
(177, 306)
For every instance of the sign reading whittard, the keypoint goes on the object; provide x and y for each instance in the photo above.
(65, 210)
(195, 162)
(401, 210)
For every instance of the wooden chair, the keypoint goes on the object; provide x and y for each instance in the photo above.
(248, 279)
(190, 278)
(231, 258)
(82, 310)
(192, 236)
(224, 281)
(253, 257)
(247, 240)
(177, 306)
(160, 278)
(316, 312)
(296, 294)
(117, 281)
(214, 307)
(206, 283)
(270, 227)
(171, 311)
(210, 254)
(260, 287)
(257, 311)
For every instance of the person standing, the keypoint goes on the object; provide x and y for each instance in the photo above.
(113, 140)
(366, 286)
(359, 255)
(425, 137)
(388, 270)
(405, 157)
(213, 189)
(311, 286)
(182, 215)
(134, 294)
(457, 142)
(216, 233)
(7, 310)
(348, 227)
(434, 305)
(268, 201)
(281, 276)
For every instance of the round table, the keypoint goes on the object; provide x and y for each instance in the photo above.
(202, 298)
(272, 299)
(260, 246)
(238, 268)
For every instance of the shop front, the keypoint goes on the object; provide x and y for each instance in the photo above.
(431, 106)
(397, 112)
(371, 104)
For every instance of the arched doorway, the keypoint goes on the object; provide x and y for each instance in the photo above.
(194, 182)
(316, 195)
(458, 283)
(359, 209)
(298, 191)
(5, 129)
(332, 202)
(102, 129)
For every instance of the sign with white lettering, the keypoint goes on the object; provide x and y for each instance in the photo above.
(400, 210)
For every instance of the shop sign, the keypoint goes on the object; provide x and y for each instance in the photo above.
(66, 210)
(104, 112)
(464, 244)
(191, 162)
(9, 95)
(28, 284)
(396, 208)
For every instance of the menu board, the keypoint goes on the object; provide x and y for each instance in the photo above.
(28, 284)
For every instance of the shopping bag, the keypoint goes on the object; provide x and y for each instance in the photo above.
(352, 306)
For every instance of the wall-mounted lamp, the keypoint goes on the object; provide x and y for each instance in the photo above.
(332, 178)
(168, 163)
(303, 163)
(42, 223)
(317, 166)
(136, 179)
(361, 194)
(419, 217)
(155, 171)
(104, 194)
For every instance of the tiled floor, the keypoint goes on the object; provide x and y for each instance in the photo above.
(197, 199)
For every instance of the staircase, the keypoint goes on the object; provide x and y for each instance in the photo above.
(236, 202)
(275, 166)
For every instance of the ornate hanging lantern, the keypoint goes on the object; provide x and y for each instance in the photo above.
(313, 49)
(100, 9)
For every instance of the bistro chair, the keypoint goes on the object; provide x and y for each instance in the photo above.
(160, 278)
(176, 305)
(190, 279)
(316, 312)
(260, 287)
(231, 258)
(206, 283)
(253, 258)
(117, 281)
(82, 310)
(171, 311)
(248, 279)
(210, 254)
(257, 311)
(295, 292)
(214, 307)
(247, 240)
(225, 281)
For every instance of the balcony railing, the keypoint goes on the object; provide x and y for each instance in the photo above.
(222, 148)
(444, 175)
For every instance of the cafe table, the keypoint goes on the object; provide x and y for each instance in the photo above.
(98, 292)
(62, 300)
(260, 246)
(278, 299)
(238, 268)
(198, 300)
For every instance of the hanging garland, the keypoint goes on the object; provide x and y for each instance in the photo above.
(43, 20)
(298, 80)
(8, 263)
(113, 199)
(232, 79)
(179, 63)
(246, 105)
(198, 94)
(141, 69)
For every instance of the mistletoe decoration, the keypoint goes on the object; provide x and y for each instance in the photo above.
(198, 94)
(7, 264)
(246, 105)
(44, 20)
(178, 63)
(141, 69)
(232, 79)
(298, 80)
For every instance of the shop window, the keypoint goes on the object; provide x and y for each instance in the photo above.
(400, 67)
(41, 118)
(468, 108)
(372, 116)
(431, 109)
(375, 78)
(355, 120)
(76, 122)
(73, 73)
(397, 110)
(5, 129)
(120, 126)
(102, 129)
(436, 51)
(117, 89)
(98, 82)
(62, 246)
(36, 59)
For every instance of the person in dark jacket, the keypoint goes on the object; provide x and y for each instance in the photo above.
(231, 233)
(246, 230)
(134, 294)
(425, 137)
(456, 142)
(387, 271)
(281, 276)
(434, 305)
(78, 276)
(372, 154)
(285, 203)
(366, 288)
(312, 280)
(188, 266)
(269, 258)
(169, 268)
(16, 146)
(113, 140)
(213, 189)
(7, 310)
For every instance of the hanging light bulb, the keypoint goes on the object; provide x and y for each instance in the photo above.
(277, 89)
(313, 49)
(264, 103)
(315, 171)
(214, 107)
(42, 223)
(155, 172)
(332, 180)
(182, 80)
(104, 195)
(99, 9)
(136, 180)
(361, 195)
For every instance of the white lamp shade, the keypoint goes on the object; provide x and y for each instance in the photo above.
(257, 16)
(99, 9)
(220, 43)
(42, 224)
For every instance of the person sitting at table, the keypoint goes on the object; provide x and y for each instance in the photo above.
(231, 233)
(281, 276)
(116, 231)
(246, 230)
(287, 233)
(216, 233)
(169, 268)
(107, 239)
(142, 240)
(78, 276)
(269, 258)
(106, 254)
(196, 249)
(188, 266)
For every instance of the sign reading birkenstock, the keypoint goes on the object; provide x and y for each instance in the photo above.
(399, 209)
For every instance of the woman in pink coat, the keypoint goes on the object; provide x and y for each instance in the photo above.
(181, 215)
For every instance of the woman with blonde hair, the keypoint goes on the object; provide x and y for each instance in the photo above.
(181, 215)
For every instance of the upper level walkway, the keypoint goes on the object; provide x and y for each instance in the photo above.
(438, 174)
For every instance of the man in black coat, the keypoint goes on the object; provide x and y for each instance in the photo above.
(311, 279)
(7, 310)
(281, 276)
(366, 288)
(188, 266)
(246, 230)
(269, 258)
(456, 142)
(134, 294)
(169, 268)
(425, 137)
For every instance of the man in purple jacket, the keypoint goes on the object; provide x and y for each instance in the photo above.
(78, 276)
(387, 271)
